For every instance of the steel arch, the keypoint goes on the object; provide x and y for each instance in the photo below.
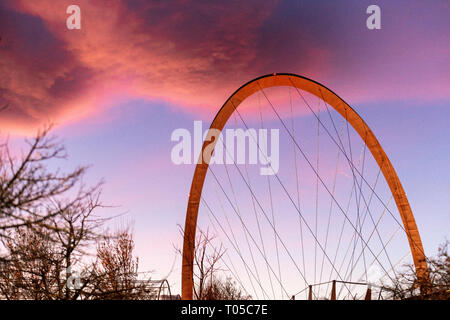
(322, 92)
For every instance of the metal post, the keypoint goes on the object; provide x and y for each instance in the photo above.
(368, 293)
(333, 290)
(310, 293)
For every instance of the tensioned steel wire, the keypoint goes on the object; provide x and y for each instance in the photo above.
(339, 243)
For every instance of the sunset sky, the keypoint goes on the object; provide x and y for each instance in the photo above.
(137, 70)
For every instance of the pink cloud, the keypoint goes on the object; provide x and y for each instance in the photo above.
(191, 54)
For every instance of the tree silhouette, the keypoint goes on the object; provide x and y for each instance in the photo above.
(407, 286)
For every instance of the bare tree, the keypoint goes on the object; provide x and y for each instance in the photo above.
(38, 260)
(45, 220)
(218, 289)
(406, 285)
(38, 269)
(33, 269)
(30, 195)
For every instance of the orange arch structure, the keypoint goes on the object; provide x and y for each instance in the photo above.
(332, 99)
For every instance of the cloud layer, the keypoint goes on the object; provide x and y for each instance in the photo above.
(194, 54)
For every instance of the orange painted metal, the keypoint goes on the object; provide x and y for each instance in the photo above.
(315, 88)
